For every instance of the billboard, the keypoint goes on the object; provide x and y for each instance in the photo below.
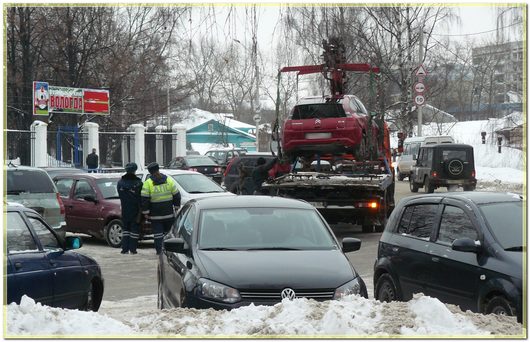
(53, 99)
(41, 98)
(66, 100)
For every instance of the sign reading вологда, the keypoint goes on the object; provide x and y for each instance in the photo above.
(53, 99)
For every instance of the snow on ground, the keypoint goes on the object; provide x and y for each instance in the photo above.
(350, 317)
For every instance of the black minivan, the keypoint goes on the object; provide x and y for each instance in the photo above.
(464, 248)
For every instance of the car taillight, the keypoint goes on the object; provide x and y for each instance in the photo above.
(217, 169)
(288, 125)
(61, 204)
(473, 173)
(193, 169)
(434, 174)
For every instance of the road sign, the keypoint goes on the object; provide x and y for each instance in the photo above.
(421, 71)
(257, 118)
(419, 100)
(419, 87)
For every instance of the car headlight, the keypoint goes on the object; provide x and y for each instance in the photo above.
(211, 289)
(352, 287)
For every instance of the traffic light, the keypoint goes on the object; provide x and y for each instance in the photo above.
(401, 137)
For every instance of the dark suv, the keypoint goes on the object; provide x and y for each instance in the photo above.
(464, 248)
(444, 165)
(231, 174)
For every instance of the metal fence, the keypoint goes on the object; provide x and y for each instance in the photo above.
(18, 145)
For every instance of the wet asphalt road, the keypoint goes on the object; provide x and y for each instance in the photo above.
(130, 276)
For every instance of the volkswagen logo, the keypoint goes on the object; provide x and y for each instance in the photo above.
(455, 167)
(288, 293)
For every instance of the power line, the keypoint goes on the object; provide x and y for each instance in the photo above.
(476, 33)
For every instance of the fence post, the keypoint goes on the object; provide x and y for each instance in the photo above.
(39, 145)
(139, 145)
(160, 144)
(92, 141)
(179, 148)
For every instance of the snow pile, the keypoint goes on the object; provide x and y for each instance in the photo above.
(30, 318)
(352, 316)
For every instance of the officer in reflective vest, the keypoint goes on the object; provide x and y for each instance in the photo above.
(160, 198)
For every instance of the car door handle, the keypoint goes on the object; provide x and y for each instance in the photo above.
(395, 249)
(435, 259)
(18, 265)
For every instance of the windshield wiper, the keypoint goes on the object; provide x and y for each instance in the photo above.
(514, 249)
(14, 192)
(218, 249)
(273, 249)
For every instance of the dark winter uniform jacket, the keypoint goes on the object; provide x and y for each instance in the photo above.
(129, 188)
(158, 198)
(92, 161)
(261, 173)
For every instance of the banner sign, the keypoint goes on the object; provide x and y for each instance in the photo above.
(66, 100)
(40, 98)
(48, 99)
(96, 101)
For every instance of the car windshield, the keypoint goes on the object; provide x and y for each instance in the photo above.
(200, 161)
(454, 154)
(263, 229)
(318, 111)
(28, 181)
(108, 187)
(505, 220)
(197, 183)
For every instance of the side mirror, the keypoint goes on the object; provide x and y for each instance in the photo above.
(73, 242)
(175, 245)
(350, 244)
(90, 198)
(466, 245)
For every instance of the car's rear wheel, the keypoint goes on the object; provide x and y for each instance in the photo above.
(113, 233)
(429, 188)
(413, 186)
(385, 290)
(400, 176)
(500, 306)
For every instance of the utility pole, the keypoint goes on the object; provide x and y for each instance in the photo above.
(419, 108)
(168, 117)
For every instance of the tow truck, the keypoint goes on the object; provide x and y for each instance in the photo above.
(358, 187)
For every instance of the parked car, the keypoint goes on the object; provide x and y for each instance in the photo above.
(43, 266)
(444, 165)
(464, 248)
(56, 171)
(411, 147)
(223, 156)
(93, 206)
(192, 185)
(231, 174)
(202, 164)
(253, 249)
(33, 188)
(328, 126)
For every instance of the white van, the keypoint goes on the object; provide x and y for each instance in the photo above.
(411, 146)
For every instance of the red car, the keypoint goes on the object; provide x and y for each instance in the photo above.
(325, 125)
(93, 207)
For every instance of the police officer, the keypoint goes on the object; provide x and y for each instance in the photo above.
(129, 188)
(159, 197)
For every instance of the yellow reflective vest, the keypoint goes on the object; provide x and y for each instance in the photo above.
(158, 198)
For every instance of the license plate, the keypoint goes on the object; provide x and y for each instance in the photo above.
(318, 135)
(453, 182)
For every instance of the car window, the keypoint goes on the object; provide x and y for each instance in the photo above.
(19, 238)
(188, 221)
(178, 220)
(263, 228)
(197, 183)
(200, 161)
(46, 237)
(417, 220)
(455, 224)
(29, 181)
(454, 154)
(428, 161)
(108, 188)
(318, 111)
(505, 221)
(64, 185)
(82, 189)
